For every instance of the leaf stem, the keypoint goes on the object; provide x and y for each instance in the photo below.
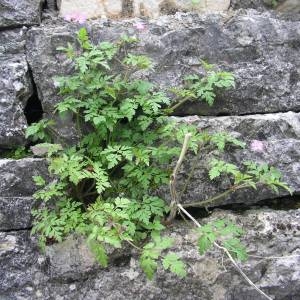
(215, 198)
(228, 254)
(178, 104)
(173, 177)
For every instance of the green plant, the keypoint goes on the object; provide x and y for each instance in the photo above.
(225, 232)
(105, 187)
(18, 153)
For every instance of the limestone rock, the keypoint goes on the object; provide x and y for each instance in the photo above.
(15, 90)
(289, 6)
(15, 212)
(90, 9)
(29, 275)
(20, 264)
(261, 50)
(136, 8)
(16, 176)
(13, 41)
(15, 13)
(255, 4)
(279, 135)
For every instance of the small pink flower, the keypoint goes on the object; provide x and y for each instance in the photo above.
(68, 17)
(76, 17)
(257, 146)
(81, 18)
(139, 26)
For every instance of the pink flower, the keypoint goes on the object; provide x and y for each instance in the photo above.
(68, 17)
(76, 17)
(139, 26)
(257, 146)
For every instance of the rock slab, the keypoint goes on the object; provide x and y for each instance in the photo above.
(27, 274)
(279, 136)
(16, 13)
(80, 9)
(16, 176)
(260, 49)
(15, 90)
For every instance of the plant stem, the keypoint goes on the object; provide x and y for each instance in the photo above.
(215, 198)
(228, 254)
(181, 102)
(173, 177)
(134, 246)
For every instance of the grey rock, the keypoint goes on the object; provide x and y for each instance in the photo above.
(16, 176)
(259, 48)
(289, 6)
(255, 4)
(280, 137)
(15, 90)
(13, 41)
(15, 13)
(29, 275)
(51, 4)
(15, 212)
(20, 264)
(71, 259)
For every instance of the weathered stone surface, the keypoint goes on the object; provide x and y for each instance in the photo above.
(20, 264)
(261, 50)
(280, 137)
(289, 6)
(16, 176)
(13, 41)
(15, 13)
(80, 9)
(51, 5)
(15, 212)
(91, 9)
(255, 4)
(29, 275)
(15, 89)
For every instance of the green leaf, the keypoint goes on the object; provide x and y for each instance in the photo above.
(39, 180)
(149, 266)
(99, 252)
(204, 244)
(173, 263)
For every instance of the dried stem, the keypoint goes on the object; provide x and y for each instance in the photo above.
(215, 198)
(228, 254)
(178, 104)
(175, 205)
(173, 177)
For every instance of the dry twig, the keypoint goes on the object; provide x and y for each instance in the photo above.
(175, 205)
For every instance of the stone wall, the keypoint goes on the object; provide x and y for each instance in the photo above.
(260, 47)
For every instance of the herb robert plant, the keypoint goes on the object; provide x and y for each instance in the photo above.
(104, 187)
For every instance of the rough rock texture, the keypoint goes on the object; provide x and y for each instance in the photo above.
(27, 274)
(280, 136)
(289, 6)
(20, 263)
(136, 8)
(15, 89)
(16, 176)
(14, 13)
(15, 212)
(256, 4)
(12, 41)
(261, 50)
